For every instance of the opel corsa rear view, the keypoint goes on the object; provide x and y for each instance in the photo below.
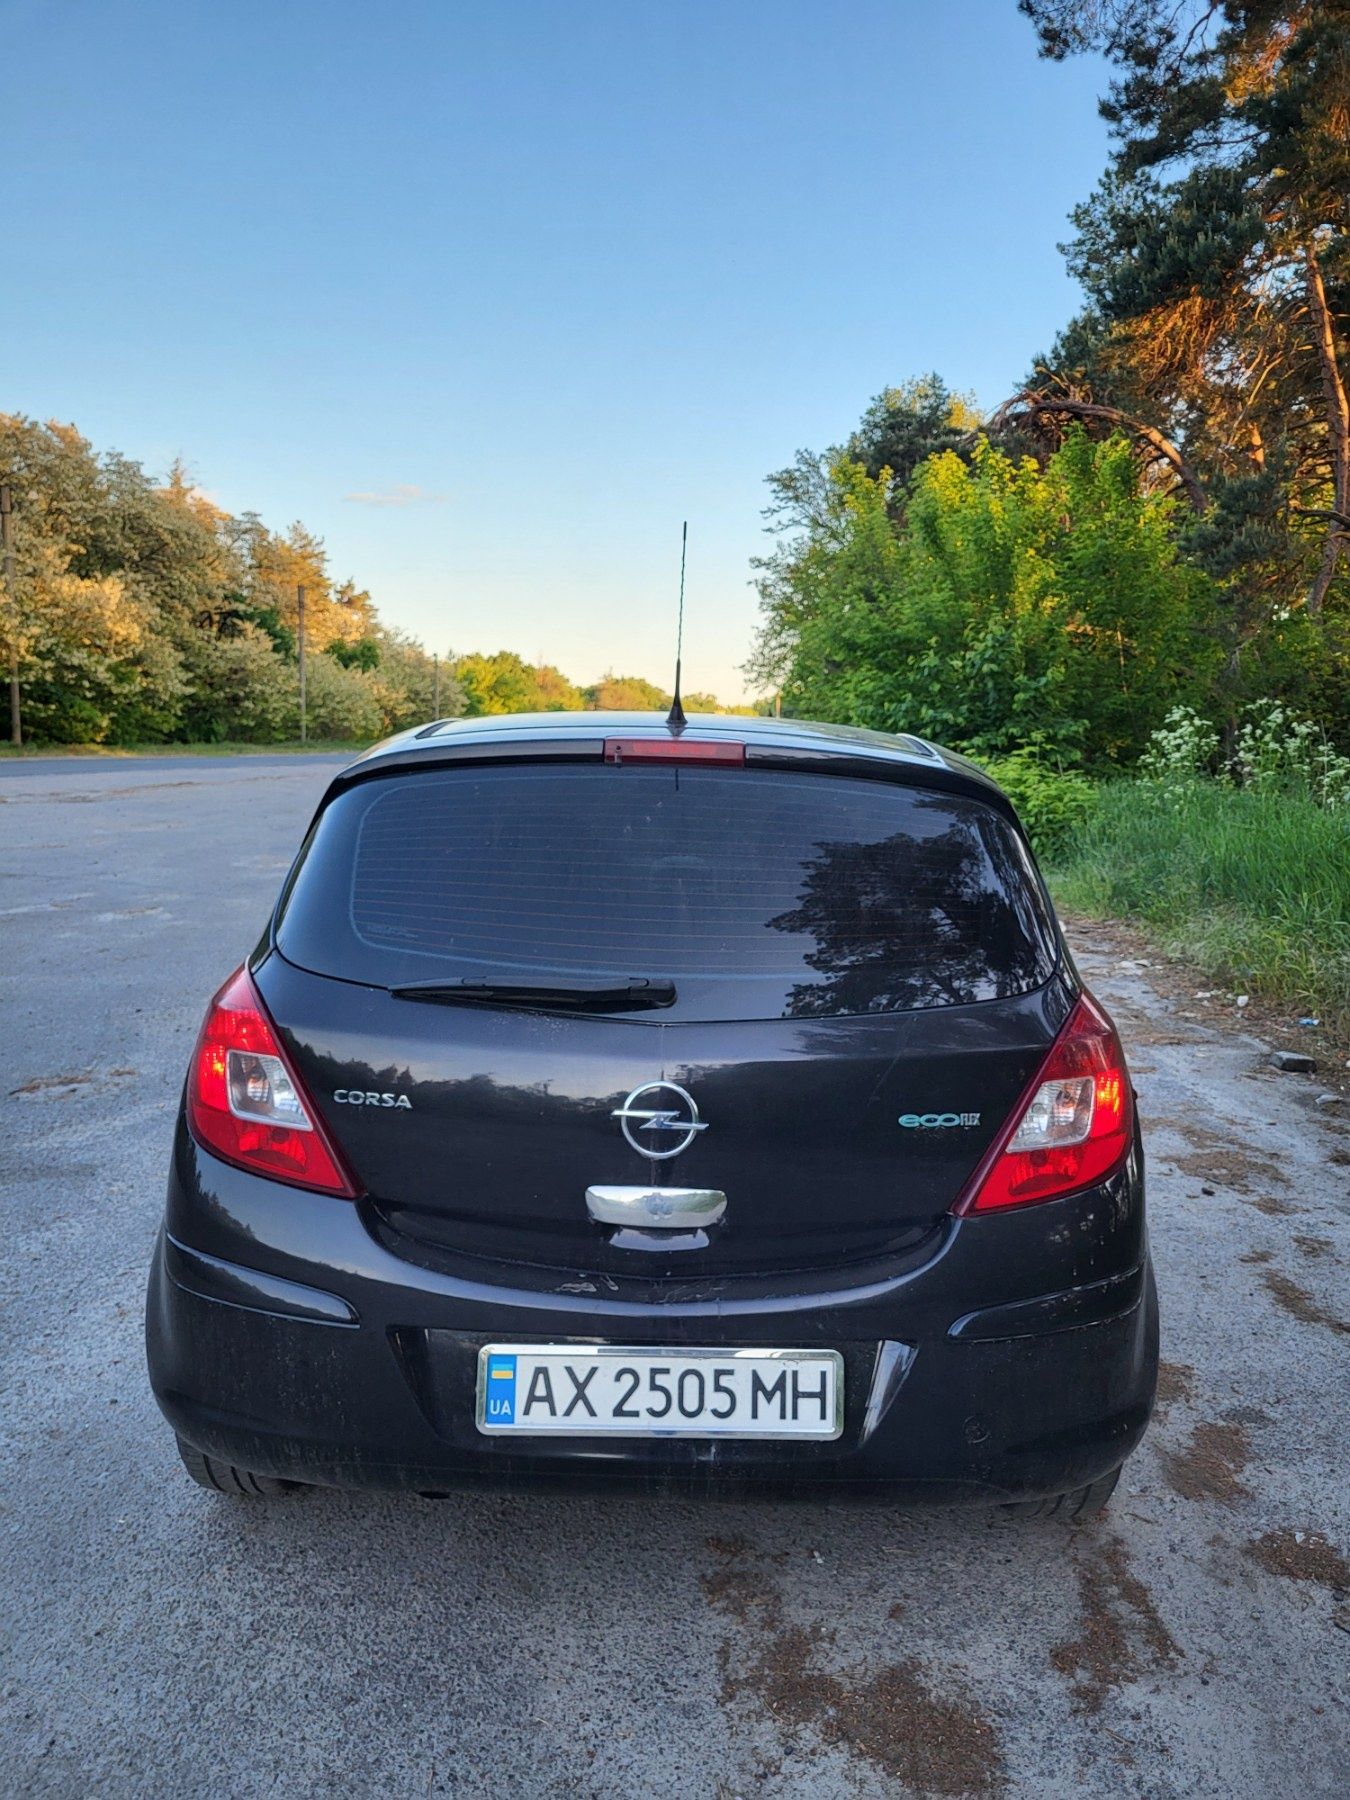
(711, 1107)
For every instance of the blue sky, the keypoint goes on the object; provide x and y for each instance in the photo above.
(537, 280)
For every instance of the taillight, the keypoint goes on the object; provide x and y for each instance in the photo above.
(246, 1104)
(1071, 1130)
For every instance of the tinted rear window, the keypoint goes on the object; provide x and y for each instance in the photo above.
(761, 894)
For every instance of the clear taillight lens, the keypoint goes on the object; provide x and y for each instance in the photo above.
(1060, 1112)
(260, 1088)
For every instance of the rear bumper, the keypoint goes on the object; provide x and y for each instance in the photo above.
(283, 1336)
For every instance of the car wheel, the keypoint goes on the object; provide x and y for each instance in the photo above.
(225, 1478)
(1078, 1503)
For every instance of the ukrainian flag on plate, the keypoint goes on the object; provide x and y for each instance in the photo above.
(500, 1399)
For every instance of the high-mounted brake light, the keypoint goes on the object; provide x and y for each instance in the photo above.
(1070, 1130)
(685, 750)
(247, 1105)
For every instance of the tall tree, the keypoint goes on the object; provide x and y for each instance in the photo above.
(1216, 258)
(901, 427)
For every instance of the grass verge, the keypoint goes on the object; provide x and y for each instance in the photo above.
(1253, 888)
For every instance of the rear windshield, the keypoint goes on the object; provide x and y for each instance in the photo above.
(761, 894)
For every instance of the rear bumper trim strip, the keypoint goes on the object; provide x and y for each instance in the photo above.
(230, 1284)
(1090, 1305)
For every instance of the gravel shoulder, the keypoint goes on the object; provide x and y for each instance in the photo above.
(159, 1642)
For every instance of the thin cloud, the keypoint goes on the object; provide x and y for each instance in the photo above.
(407, 494)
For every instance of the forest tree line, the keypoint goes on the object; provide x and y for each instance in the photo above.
(141, 612)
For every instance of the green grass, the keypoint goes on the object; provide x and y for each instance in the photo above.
(1253, 888)
(315, 746)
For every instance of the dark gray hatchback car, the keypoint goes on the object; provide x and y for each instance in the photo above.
(713, 1108)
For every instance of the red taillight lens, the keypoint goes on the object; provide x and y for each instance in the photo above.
(246, 1104)
(1073, 1127)
(674, 749)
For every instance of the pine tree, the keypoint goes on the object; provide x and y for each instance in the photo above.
(1216, 258)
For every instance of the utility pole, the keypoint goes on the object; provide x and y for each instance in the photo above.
(7, 546)
(300, 650)
(436, 702)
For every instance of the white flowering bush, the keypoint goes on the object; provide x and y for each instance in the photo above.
(1181, 750)
(1276, 750)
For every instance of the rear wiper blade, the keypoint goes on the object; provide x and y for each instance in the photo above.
(577, 993)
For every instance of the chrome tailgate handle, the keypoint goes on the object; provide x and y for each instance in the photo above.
(675, 1208)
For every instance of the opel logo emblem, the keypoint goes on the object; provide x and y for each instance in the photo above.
(643, 1113)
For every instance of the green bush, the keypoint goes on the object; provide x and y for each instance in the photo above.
(405, 684)
(339, 703)
(154, 687)
(240, 690)
(1052, 803)
(1011, 602)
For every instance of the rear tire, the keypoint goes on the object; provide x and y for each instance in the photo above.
(225, 1478)
(1078, 1504)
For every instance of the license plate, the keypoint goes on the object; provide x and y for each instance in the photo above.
(607, 1390)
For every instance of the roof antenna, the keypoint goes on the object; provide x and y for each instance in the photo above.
(675, 718)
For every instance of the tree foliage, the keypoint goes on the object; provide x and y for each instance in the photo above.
(505, 683)
(1015, 605)
(901, 427)
(142, 612)
(628, 693)
(1215, 255)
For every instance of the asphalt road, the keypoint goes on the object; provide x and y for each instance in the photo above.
(159, 1640)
